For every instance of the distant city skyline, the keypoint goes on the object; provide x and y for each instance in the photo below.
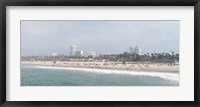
(103, 37)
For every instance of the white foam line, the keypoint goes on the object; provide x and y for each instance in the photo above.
(168, 76)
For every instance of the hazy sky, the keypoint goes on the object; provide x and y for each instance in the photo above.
(103, 37)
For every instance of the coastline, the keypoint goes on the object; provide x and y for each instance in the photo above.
(107, 65)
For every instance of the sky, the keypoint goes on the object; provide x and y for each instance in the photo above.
(103, 37)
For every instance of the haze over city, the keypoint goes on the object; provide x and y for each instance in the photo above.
(103, 37)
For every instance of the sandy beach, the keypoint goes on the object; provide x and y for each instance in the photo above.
(108, 65)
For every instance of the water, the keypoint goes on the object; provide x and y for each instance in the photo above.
(59, 76)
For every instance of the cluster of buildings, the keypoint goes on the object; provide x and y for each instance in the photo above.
(131, 54)
(135, 50)
(54, 54)
(75, 52)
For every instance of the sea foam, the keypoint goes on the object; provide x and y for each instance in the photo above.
(165, 75)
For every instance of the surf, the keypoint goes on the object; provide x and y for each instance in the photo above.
(164, 75)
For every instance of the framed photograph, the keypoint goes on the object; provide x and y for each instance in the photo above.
(99, 53)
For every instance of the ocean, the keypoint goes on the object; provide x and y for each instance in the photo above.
(33, 75)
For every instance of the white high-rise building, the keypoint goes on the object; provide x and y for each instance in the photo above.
(72, 50)
(138, 50)
(131, 50)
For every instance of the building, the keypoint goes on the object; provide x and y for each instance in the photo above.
(89, 53)
(75, 52)
(78, 53)
(138, 50)
(72, 50)
(131, 50)
(54, 54)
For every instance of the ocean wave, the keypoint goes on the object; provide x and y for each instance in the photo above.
(164, 75)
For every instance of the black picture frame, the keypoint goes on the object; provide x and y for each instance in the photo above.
(4, 3)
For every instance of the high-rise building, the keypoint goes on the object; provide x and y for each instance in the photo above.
(138, 50)
(72, 50)
(131, 50)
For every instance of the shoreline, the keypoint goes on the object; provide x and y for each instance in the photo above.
(107, 65)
